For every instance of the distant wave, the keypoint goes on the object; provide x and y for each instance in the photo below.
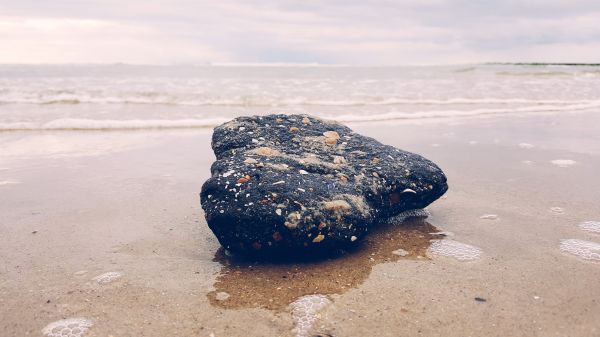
(142, 124)
(250, 101)
(111, 124)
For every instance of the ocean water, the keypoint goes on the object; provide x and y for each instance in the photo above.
(45, 97)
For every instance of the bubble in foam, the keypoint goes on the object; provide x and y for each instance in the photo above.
(585, 250)
(108, 277)
(563, 162)
(590, 226)
(70, 327)
(457, 250)
(305, 312)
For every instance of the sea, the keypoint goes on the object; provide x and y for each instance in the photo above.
(122, 96)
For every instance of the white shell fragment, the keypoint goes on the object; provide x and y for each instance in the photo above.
(70, 327)
(305, 312)
(454, 249)
(585, 250)
(400, 252)
(222, 296)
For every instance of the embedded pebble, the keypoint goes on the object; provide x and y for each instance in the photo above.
(563, 162)
(305, 312)
(222, 296)
(108, 277)
(590, 226)
(454, 249)
(489, 217)
(400, 252)
(70, 327)
(585, 250)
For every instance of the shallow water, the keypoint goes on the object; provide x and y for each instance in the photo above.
(84, 97)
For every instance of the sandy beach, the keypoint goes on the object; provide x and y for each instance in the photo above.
(90, 203)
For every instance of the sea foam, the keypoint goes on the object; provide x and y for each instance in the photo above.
(590, 226)
(585, 250)
(108, 277)
(305, 312)
(454, 249)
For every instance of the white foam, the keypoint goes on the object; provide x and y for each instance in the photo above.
(585, 250)
(113, 124)
(563, 162)
(590, 226)
(305, 312)
(70, 327)
(108, 277)
(489, 217)
(454, 249)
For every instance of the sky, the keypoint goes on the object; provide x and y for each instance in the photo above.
(367, 32)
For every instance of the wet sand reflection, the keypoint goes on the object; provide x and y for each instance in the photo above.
(274, 285)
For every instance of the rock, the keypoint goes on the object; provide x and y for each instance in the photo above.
(297, 183)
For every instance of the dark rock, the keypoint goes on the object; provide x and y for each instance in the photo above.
(295, 182)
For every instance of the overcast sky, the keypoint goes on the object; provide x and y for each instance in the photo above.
(370, 32)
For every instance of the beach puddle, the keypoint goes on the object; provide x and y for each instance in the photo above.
(275, 285)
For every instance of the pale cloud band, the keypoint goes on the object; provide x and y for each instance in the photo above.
(346, 32)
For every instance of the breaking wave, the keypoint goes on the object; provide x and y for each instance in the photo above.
(133, 124)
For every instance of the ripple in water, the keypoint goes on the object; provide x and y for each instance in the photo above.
(70, 327)
(586, 250)
(454, 249)
(305, 312)
(590, 226)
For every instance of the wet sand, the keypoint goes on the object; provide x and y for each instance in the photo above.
(76, 205)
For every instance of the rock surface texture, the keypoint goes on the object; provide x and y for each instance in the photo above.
(296, 182)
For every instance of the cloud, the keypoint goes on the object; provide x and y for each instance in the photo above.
(356, 32)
